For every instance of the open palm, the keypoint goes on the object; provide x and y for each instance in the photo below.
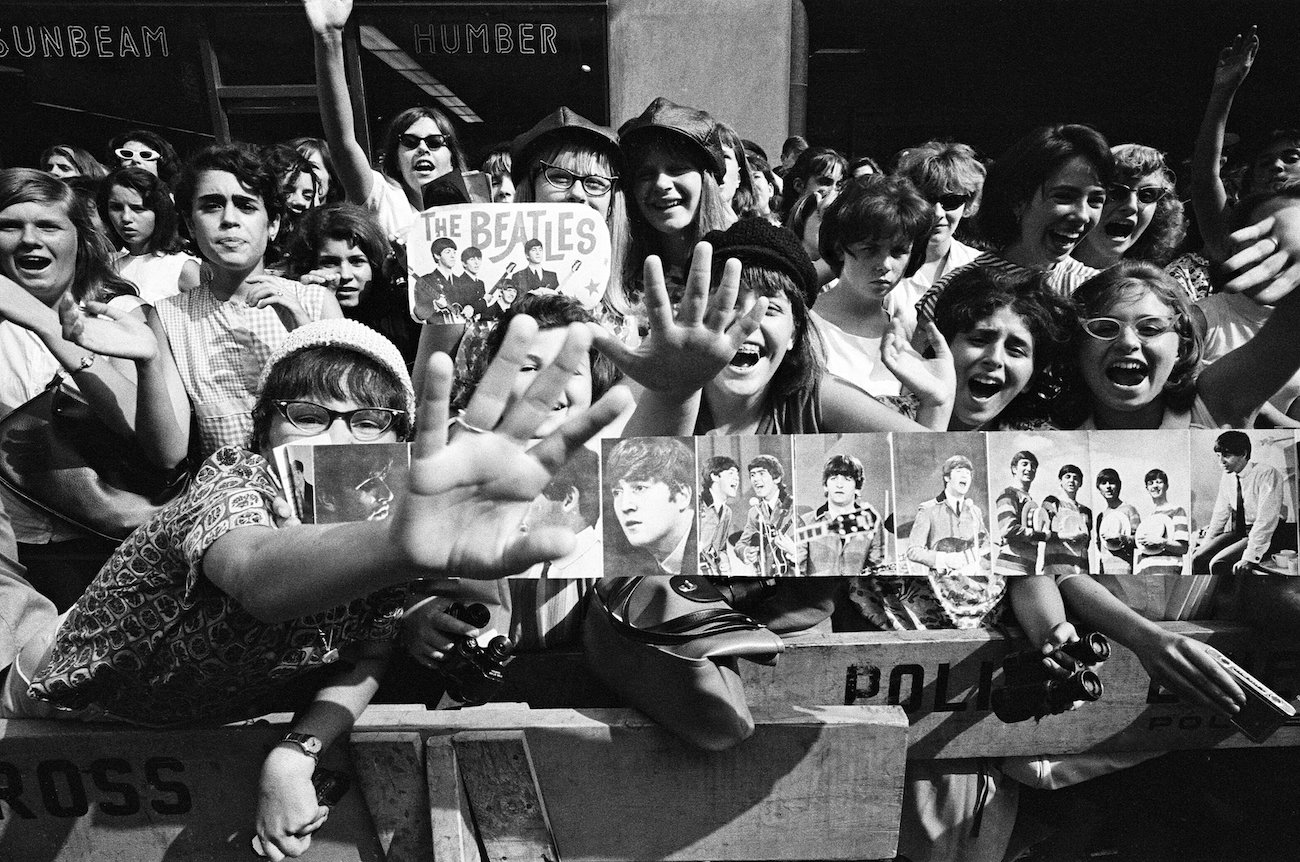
(327, 15)
(467, 499)
(687, 349)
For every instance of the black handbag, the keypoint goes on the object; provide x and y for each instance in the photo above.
(669, 647)
(59, 456)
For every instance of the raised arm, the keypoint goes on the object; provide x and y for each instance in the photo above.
(327, 19)
(1235, 385)
(1209, 198)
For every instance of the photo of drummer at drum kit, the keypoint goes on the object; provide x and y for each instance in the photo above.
(1130, 508)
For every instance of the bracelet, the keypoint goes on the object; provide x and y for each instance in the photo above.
(85, 363)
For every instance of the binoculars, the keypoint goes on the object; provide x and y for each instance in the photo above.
(1031, 690)
(473, 671)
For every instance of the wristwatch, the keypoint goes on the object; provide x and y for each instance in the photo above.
(309, 744)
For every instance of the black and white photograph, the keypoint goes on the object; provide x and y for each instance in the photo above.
(649, 506)
(843, 500)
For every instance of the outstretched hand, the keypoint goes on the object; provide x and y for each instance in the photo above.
(1267, 261)
(934, 380)
(687, 350)
(1236, 59)
(326, 16)
(467, 499)
(107, 331)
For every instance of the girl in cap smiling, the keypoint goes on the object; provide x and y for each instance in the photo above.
(675, 165)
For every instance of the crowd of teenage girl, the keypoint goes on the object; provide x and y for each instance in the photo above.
(215, 305)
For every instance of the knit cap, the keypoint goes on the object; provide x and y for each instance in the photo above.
(758, 241)
(348, 335)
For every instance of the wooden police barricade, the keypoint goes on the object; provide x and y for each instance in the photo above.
(74, 792)
(943, 680)
(813, 782)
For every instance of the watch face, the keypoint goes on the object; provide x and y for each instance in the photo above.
(308, 742)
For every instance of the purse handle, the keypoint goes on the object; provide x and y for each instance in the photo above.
(677, 631)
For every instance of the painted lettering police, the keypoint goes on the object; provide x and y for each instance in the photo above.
(77, 42)
(906, 686)
(468, 38)
(58, 788)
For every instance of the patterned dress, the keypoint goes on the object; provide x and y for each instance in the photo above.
(154, 642)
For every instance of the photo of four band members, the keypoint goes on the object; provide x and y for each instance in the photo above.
(1158, 516)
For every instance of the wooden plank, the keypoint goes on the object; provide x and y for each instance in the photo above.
(102, 793)
(390, 772)
(496, 770)
(812, 783)
(943, 681)
(453, 831)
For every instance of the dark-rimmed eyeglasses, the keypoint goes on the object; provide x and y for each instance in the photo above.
(1110, 328)
(365, 423)
(593, 184)
(433, 142)
(143, 155)
(1146, 195)
(953, 201)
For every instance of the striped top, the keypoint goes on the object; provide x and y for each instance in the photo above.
(1068, 558)
(1020, 541)
(1064, 277)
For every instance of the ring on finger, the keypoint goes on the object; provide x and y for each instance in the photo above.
(468, 426)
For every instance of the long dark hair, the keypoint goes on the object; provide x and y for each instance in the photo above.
(1018, 175)
(169, 164)
(95, 277)
(156, 198)
(399, 124)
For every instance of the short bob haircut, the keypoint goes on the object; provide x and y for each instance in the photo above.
(350, 223)
(1154, 474)
(94, 277)
(876, 207)
(253, 173)
(329, 373)
(844, 465)
(169, 164)
(1020, 173)
(1070, 470)
(979, 293)
(1235, 443)
(399, 124)
(1110, 475)
(652, 459)
(715, 466)
(86, 164)
(957, 462)
(1097, 297)
(155, 197)
(1024, 455)
(940, 168)
(1168, 226)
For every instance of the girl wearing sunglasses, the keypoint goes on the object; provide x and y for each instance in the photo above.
(950, 177)
(140, 148)
(420, 143)
(1143, 218)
